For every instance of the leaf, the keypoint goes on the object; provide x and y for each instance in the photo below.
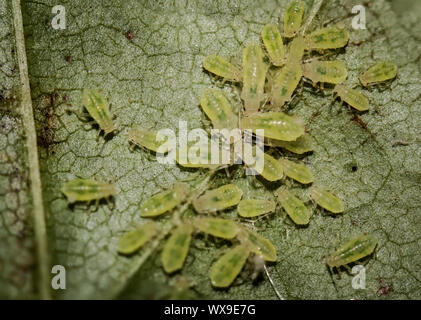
(156, 79)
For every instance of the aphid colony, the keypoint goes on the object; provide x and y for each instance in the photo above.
(268, 81)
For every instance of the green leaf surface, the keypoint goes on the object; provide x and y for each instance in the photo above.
(155, 79)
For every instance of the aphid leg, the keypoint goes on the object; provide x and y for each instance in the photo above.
(110, 204)
(331, 272)
(81, 117)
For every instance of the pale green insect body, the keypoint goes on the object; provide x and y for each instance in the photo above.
(293, 18)
(302, 145)
(296, 49)
(221, 67)
(352, 251)
(352, 97)
(297, 171)
(258, 244)
(277, 125)
(197, 156)
(285, 82)
(217, 227)
(250, 208)
(272, 169)
(254, 78)
(133, 240)
(98, 109)
(380, 72)
(218, 109)
(147, 138)
(176, 248)
(327, 38)
(272, 40)
(164, 201)
(294, 207)
(325, 71)
(224, 271)
(218, 199)
(327, 200)
(87, 190)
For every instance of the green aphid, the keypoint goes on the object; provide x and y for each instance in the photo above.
(133, 240)
(222, 68)
(302, 145)
(176, 248)
(284, 83)
(327, 200)
(147, 138)
(297, 171)
(218, 199)
(197, 156)
(380, 72)
(325, 71)
(218, 109)
(272, 40)
(224, 271)
(87, 190)
(272, 169)
(164, 201)
(327, 38)
(352, 251)
(352, 97)
(98, 109)
(217, 227)
(277, 125)
(250, 208)
(296, 49)
(294, 207)
(254, 78)
(258, 244)
(293, 18)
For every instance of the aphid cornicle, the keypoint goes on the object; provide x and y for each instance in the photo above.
(272, 40)
(327, 38)
(254, 78)
(352, 251)
(284, 83)
(218, 109)
(133, 240)
(277, 125)
(146, 138)
(218, 199)
(325, 71)
(293, 206)
(249, 208)
(224, 271)
(164, 201)
(87, 190)
(221, 67)
(176, 248)
(293, 18)
(326, 200)
(217, 227)
(258, 244)
(302, 145)
(297, 171)
(352, 97)
(98, 109)
(380, 72)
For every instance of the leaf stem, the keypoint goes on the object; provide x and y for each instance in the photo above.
(31, 144)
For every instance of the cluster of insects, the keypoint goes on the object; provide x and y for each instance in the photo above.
(268, 78)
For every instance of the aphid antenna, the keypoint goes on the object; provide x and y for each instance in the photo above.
(272, 283)
(316, 7)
